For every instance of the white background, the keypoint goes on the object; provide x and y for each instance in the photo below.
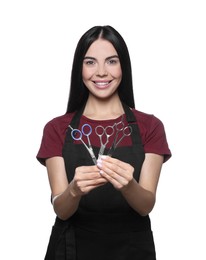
(167, 44)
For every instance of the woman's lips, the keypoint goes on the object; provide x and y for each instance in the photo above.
(102, 84)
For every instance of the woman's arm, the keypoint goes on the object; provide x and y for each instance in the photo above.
(66, 196)
(140, 196)
(65, 203)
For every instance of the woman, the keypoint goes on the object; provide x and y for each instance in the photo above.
(102, 202)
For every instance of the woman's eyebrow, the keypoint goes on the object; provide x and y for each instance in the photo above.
(89, 58)
(112, 57)
(108, 58)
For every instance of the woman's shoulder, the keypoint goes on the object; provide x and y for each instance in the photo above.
(146, 118)
(149, 124)
(153, 134)
(59, 121)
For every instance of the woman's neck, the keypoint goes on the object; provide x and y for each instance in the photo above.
(103, 109)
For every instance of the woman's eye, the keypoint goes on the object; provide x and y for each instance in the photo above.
(89, 62)
(112, 61)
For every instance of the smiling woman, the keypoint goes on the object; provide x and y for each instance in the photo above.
(101, 196)
(101, 70)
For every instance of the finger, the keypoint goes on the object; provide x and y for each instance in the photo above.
(85, 185)
(87, 169)
(95, 182)
(118, 176)
(84, 173)
(113, 162)
(121, 168)
(87, 189)
(112, 172)
(117, 181)
(113, 177)
(110, 168)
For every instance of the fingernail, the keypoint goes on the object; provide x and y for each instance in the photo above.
(99, 164)
(99, 160)
(103, 157)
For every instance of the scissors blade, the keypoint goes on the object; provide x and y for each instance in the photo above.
(111, 150)
(92, 155)
(91, 152)
(101, 150)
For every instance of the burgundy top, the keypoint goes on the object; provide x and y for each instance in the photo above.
(151, 130)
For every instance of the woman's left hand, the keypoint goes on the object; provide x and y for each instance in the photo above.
(117, 172)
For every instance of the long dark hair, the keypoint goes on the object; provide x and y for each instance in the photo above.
(78, 92)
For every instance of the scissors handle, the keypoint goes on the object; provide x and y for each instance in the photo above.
(87, 133)
(86, 129)
(99, 130)
(76, 134)
(119, 126)
(107, 131)
(126, 132)
(79, 137)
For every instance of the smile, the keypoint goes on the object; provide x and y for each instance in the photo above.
(102, 84)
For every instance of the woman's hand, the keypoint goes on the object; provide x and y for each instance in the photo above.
(118, 173)
(86, 178)
(139, 195)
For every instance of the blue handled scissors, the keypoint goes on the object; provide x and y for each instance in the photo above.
(126, 131)
(100, 131)
(77, 135)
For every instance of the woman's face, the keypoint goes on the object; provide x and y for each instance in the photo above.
(101, 71)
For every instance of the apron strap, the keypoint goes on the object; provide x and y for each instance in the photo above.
(132, 122)
(74, 123)
(129, 114)
(76, 118)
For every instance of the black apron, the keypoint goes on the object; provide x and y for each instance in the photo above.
(104, 227)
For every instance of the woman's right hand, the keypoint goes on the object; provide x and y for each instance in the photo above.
(86, 178)
(68, 195)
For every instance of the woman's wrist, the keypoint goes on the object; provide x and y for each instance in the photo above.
(72, 191)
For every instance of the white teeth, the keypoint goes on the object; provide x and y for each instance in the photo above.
(101, 83)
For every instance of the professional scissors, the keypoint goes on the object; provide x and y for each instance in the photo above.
(77, 135)
(126, 131)
(107, 131)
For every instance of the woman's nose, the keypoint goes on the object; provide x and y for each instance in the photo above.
(101, 71)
